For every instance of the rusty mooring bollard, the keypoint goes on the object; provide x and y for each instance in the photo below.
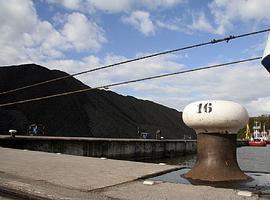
(216, 124)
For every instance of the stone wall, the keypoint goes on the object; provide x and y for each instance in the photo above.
(131, 149)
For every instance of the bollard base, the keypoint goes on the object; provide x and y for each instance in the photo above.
(216, 159)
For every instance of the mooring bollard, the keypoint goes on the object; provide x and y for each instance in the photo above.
(12, 133)
(216, 124)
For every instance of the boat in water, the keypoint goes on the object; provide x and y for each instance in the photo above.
(257, 143)
(258, 139)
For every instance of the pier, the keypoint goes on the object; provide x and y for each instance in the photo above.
(41, 175)
(115, 148)
(39, 167)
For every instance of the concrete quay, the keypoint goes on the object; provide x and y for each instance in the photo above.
(115, 148)
(39, 175)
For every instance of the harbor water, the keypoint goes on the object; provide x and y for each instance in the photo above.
(254, 161)
(250, 159)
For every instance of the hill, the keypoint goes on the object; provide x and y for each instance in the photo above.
(96, 113)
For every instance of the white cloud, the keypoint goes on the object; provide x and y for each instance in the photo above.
(200, 22)
(82, 33)
(260, 105)
(247, 84)
(223, 16)
(69, 4)
(72, 66)
(144, 68)
(169, 26)
(116, 5)
(17, 19)
(111, 6)
(227, 12)
(141, 21)
(93, 5)
(187, 23)
(157, 4)
(160, 3)
(25, 38)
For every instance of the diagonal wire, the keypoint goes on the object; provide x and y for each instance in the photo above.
(214, 41)
(130, 81)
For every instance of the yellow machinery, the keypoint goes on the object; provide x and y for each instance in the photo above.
(247, 136)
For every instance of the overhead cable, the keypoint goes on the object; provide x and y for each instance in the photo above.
(130, 81)
(214, 41)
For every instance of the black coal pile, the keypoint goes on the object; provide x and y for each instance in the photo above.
(96, 113)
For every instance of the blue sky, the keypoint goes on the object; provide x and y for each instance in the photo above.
(76, 35)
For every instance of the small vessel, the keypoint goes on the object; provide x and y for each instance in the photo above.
(265, 135)
(257, 138)
(257, 143)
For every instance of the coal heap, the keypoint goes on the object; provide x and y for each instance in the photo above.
(96, 113)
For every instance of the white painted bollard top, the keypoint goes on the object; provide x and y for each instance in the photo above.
(215, 116)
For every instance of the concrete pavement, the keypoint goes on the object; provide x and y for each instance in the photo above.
(84, 173)
(136, 190)
(42, 175)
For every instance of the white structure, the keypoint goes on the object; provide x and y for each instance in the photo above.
(216, 124)
(215, 116)
(258, 134)
(12, 132)
(256, 131)
(266, 55)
